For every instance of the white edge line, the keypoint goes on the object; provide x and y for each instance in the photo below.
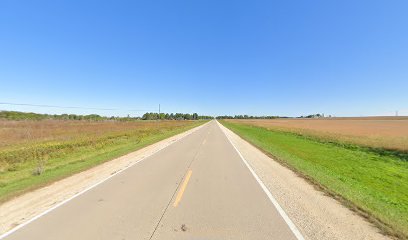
(9, 232)
(285, 217)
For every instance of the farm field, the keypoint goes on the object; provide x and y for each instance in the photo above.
(35, 153)
(376, 132)
(371, 181)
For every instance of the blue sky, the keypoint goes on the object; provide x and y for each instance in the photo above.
(345, 58)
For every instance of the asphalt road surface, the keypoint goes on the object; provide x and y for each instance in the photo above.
(197, 188)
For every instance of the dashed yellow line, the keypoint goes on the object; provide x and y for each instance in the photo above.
(182, 189)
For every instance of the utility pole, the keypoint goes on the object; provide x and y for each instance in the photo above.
(159, 111)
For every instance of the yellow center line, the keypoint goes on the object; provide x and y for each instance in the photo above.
(182, 189)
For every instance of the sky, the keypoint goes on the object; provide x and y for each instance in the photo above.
(287, 58)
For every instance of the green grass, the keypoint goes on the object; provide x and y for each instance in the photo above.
(367, 180)
(62, 159)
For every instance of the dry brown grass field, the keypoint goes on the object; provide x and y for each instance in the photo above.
(15, 133)
(377, 132)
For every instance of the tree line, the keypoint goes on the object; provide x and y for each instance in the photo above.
(174, 116)
(247, 117)
(317, 115)
(15, 115)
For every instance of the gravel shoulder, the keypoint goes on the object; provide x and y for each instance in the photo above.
(25, 207)
(316, 215)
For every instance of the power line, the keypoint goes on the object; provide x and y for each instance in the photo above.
(71, 107)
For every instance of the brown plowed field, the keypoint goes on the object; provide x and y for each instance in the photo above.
(377, 132)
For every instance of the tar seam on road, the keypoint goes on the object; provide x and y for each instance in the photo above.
(285, 217)
(175, 191)
(4, 235)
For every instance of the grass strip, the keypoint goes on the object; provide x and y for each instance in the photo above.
(371, 183)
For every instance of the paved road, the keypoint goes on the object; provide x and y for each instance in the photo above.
(197, 188)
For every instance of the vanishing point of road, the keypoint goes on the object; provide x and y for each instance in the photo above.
(197, 188)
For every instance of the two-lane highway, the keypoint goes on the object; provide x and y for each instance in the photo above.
(197, 188)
